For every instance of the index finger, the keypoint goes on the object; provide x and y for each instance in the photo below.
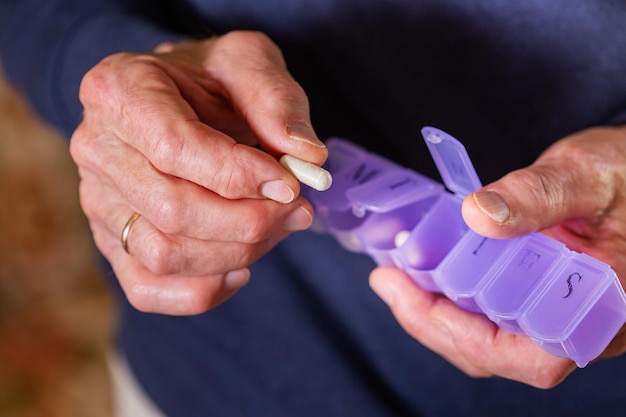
(265, 94)
(155, 119)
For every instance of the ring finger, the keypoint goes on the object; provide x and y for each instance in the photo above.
(164, 253)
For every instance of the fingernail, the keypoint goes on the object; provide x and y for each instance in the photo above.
(304, 133)
(493, 205)
(299, 219)
(384, 291)
(236, 279)
(278, 190)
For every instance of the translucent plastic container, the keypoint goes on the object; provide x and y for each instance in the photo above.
(468, 268)
(530, 259)
(350, 166)
(569, 303)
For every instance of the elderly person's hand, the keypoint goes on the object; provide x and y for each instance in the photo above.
(576, 193)
(170, 135)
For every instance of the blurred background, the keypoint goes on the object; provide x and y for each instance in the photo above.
(55, 313)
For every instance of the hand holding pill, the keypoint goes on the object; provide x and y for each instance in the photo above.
(181, 155)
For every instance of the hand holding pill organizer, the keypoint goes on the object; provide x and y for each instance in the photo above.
(569, 303)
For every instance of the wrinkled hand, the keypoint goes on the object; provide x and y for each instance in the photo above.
(168, 135)
(575, 192)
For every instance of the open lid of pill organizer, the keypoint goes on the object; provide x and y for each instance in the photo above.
(452, 160)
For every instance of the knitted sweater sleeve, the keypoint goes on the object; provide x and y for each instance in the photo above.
(47, 47)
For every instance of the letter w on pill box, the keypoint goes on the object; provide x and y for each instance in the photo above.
(569, 303)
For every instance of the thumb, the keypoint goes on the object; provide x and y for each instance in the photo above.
(558, 187)
(265, 94)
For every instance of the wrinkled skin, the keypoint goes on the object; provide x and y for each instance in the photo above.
(574, 192)
(168, 135)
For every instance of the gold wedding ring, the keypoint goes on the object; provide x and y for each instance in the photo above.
(126, 231)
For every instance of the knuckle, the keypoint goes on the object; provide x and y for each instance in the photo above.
(251, 254)
(234, 173)
(82, 145)
(92, 86)
(255, 229)
(541, 185)
(88, 204)
(165, 150)
(100, 81)
(76, 141)
(226, 178)
(573, 148)
(254, 48)
(159, 257)
(599, 160)
(169, 213)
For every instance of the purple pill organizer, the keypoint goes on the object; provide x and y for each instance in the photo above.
(569, 303)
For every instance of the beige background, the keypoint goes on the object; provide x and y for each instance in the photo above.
(55, 314)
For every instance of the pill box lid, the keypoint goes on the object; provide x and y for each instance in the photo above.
(392, 191)
(452, 160)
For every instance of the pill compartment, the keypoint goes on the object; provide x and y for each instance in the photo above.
(578, 312)
(468, 267)
(432, 240)
(350, 166)
(379, 233)
(461, 272)
(531, 261)
(394, 203)
(598, 326)
(438, 233)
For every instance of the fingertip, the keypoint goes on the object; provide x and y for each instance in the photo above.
(396, 288)
(381, 283)
(278, 190)
(297, 139)
(299, 219)
(235, 280)
(492, 205)
(261, 173)
(304, 133)
(517, 204)
(488, 213)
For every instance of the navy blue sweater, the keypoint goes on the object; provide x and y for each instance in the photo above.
(307, 337)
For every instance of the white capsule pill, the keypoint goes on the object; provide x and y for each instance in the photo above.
(401, 237)
(307, 173)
